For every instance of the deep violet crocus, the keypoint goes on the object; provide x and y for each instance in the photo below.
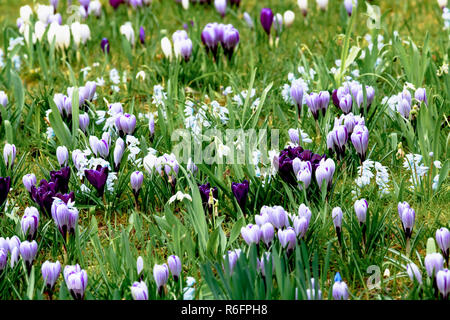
(205, 193)
(230, 40)
(240, 191)
(97, 178)
(43, 195)
(61, 179)
(142, 35)
(266, 18)
(104, 44)
(116, 3)
(5, 185)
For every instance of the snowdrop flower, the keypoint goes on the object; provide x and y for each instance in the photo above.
(180, 196)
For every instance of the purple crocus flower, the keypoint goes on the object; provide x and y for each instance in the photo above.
(116, 3)
(404, 108)
(325, 172)
(44, 194)
(76, 281)
(340, 288)
(50, 273)
(3, 259)
(62, 154)
(313, 102)
(210, 39)
(361, 210)
(266, 18)
(28, 181)
(97, 178)
(205, 190)
(28, 251)
(360, 140)
(324, 100)
(104, 44)
(288, 238)
(267, 233)
(251, 234)
(337, 216)
(443, 282)
(232, 256)
(407, 217)
(84, 3)
(230, 41)
(175, 266)
(126, 124)
(221, 7)
(139, 291)
(421, 95)
(443, 241)
(433, 263)
(340, 138)
(413, 272)
(84, 122)
(65, 216)
(30, 223)
(142, 35)
(345, 103)
(297, 94)
(161, 275)
(9, 155)
(185, 47)
(61, 179)
(5, 185)
(136, 180)
(349, 6)
(240, 191)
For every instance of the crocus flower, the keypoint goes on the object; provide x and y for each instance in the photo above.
(116, 3)
(142, 35)
(175, 266)
(97, 178)
(266, 18)
(125, 124)
(267, 233)
(288, 18)
(80, 33)
(118, 153)
(303, 5)
(251, 234)
(240, 191)
(104, 44)
(325, 172)
(44, 194)
(349, 4)
(361, 210)
(313, 102)
(28, 251)
(161, 275)
(248, 20)
(337, 216)
(95, 8)
(76, 281)
(433, 263)
(443, 282)
(84, 122)
(300, 226)
(9, 155)
(340, 289)
(221, 7)
(345, 103)
(360, 140)
(140, 266)
(61, 179)
(139, 291)
(3, 259)
(100, 147)
(288, 238)
(340, 138)
(265, 259)
(323, 4)
(166, 47)
(408, 216)
(184, 47)
(208, 195)
(50, 273)
(404, 108)
(65, 216)
(62, 154)
(210, 39)
(297, 94)
(421, 95)
(28, 181)
(136, 180)
(443, 241)
(313, 293)
(5, 185)
(413, 272)
(230, 40)
(30, 222)
(232, 256)
(3, 99)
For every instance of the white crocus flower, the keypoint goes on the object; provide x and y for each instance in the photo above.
(166, 47)
(25, 13)
(127, 30)
(44, 12)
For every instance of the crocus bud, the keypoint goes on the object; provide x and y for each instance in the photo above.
(443, 282)
(30, 222)
(413, 272)
(136, 180)
(248, 20)
(360, 140)
(127, 30)
(230, 41)
(404, 108)
(349, 4)
(345, 103)
(433, 263)
(232, 256)
(3, 99)
(340, 137)
(161, 275)
(287, 238)
(323, 4)
(28, 251)
(104, 44)
(240, 191)
(266, 18)
(50, 273)
(297, 94)
(139, 265)
(442, 3)
(340, 289)
(166, 47)
(443, 241)
(29, 180)
(84, 121)
(139, 291)
(9, 155)
(408, 216)
(80, 33)
(118, 153)
(221, 7)
(303, 5)
(65, 216)
(175, 266)
(210, 39)
(361, 210)
(185, 48)
(185, 4)
(325, 172)
(125, 124)
(95, 8)
(267, 233)
(300, 226)
(288, 18)
(337, 215)
(63, 155)
(151, 124)
(278, 23)
(421, 95)
(313, 103)
(251, 234)
(76, 281)
(3, 259)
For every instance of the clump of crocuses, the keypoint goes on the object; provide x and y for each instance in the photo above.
(352, 93)
(217, 33)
